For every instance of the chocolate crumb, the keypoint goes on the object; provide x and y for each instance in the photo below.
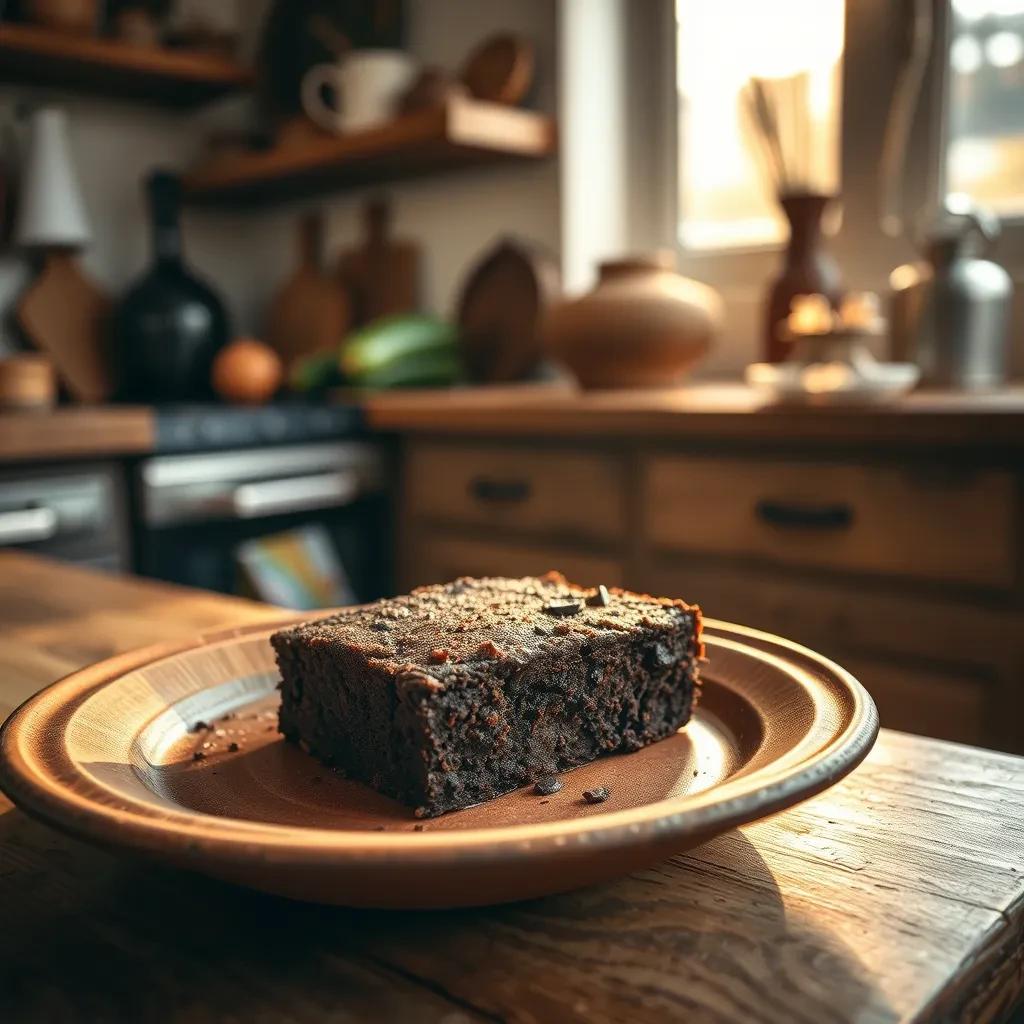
(600, 598)
(233, 747)
(547, 786)
(489, 649)
(417, 828)
(695, 773)
(561, 609)
(198, 755)
(200, 726)
(597, 795)
(228, 716)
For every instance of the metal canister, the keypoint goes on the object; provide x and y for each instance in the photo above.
(950, 312)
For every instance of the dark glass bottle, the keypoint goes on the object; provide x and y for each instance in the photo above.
(169, 325)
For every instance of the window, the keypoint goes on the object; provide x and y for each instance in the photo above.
(725, 197)
(985, 110)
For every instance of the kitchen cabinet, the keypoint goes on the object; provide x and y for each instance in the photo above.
(900, 560)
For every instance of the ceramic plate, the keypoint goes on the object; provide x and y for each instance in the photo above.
(108, 754)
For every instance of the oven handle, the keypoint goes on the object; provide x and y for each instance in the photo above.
(293, 494)
(25, 525)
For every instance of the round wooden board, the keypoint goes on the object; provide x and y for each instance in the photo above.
(500, 309)
(107, 754)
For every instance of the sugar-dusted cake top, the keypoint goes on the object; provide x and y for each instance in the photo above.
(450, 627)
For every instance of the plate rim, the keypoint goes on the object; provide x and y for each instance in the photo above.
(34, 788)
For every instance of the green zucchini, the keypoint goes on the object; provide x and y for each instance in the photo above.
(392, 340)
(427, 368)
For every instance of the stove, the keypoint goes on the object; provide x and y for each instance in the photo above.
(222, 479)
(200, 428)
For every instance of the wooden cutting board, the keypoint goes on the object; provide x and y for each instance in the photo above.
(382, 274)
(65, 315)
(500, 310)
(311, 312)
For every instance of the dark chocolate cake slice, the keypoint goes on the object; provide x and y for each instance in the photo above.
(460, 692)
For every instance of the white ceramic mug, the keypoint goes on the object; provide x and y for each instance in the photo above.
(367, 86)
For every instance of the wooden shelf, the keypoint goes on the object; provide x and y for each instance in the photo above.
(179, 78)
(462, 133)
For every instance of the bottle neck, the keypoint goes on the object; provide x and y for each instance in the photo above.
(165, 219)
(166, 244)
(804, 213)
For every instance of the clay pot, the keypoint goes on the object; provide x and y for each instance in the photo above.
(643, 326)
(76, 17)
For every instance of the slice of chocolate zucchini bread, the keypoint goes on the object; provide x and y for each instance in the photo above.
(460, 692)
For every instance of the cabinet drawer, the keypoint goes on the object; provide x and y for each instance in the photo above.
(931, 666)
(829, 616)
(929, 703)
(436, 558)
(864, 518)
(559, 493)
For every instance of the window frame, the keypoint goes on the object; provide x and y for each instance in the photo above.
(877, 34)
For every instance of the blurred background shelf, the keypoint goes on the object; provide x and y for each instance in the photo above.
(461, 133)
(178, 78)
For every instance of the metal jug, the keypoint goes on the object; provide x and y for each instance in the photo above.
(950, 312)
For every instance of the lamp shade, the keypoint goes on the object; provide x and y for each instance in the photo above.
(51, 211)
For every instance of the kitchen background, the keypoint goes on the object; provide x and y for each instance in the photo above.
(115, 142)
(711, 299)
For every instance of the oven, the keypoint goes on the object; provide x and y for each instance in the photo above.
(74, 513)
(196, 514)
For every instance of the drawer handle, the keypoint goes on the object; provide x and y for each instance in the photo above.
(804, 517)
(505, 492)
(22, 526)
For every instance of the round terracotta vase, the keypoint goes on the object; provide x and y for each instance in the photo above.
(643, 326)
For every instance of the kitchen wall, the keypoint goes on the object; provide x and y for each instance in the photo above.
(457, 216)
(247, 254)
(113, 147)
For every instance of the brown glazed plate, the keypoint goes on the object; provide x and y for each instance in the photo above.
(108, 755)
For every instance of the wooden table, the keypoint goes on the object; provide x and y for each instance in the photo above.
(896, 895)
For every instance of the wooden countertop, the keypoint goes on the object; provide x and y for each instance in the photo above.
(896, 895)
(711, 412)
(76, 432)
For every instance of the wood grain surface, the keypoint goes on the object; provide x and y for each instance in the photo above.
(896, 895)
(311, 311)
(382, 271)
(517, 488)
(32, 55)
(64, 314)
(716, 413)
(76, 432)
(899, 521)
(463, 132)
(725, 412)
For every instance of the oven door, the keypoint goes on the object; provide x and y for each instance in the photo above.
(194, 512)
(76, 514)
